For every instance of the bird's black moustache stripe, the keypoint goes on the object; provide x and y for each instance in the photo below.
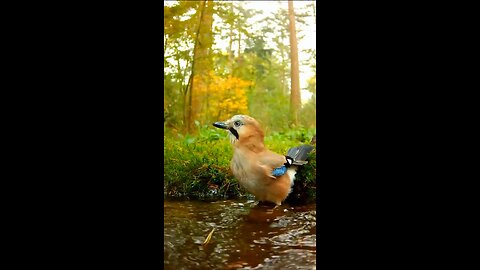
(234, 132)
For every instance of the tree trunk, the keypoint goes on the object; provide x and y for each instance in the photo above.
(295, 101)
(201, 63)
(314, 12)
(187, 109)
(230, 51)
(239, 40)
(284, 64)
(189, 89)
(230, 45)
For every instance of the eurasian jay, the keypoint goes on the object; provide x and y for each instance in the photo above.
(267, 175)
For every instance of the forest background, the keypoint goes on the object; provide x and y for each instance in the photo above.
(223, 58)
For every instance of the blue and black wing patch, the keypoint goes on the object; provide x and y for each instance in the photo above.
(296, 156)
(279, 171)
(283, 169)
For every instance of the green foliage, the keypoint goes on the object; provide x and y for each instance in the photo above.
(307, 115)
(251, 75)
(198, 167)
(290, 138)
(305, 184)
(257, 51)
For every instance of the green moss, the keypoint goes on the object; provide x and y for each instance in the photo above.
(305, 184)
(198, 167)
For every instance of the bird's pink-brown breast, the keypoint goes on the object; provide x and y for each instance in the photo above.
(254, 173)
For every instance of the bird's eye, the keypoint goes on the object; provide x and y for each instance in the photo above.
(237, 123)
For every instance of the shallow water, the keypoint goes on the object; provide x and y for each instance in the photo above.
(246, 235)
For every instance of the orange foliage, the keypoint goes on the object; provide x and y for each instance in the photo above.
(219, 98)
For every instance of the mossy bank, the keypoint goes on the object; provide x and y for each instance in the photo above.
(198, 166)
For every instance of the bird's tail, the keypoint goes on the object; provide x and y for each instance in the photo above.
(299, 154)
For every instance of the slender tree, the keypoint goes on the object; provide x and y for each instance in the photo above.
(295, 101)
(201, 63)
(314, 12)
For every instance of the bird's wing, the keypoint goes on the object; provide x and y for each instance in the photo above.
(269, 160)
(267, 171)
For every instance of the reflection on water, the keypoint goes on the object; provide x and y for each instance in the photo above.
(246, 236)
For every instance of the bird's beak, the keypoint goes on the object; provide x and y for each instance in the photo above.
(220, 125)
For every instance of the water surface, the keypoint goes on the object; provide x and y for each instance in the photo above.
(246, 236)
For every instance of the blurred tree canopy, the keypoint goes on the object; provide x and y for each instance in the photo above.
(251, 74)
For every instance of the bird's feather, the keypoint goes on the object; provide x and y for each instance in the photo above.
(271, 159)
(279, 171)
(299, 153)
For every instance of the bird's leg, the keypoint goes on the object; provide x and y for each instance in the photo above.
(277, 205)
(268, 206)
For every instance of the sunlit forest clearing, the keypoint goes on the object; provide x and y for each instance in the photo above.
(225, 58)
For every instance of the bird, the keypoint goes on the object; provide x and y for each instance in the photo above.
(267, 175)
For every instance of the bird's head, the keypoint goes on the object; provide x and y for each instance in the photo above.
(242, 128)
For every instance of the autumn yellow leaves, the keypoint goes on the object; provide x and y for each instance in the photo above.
(220, 96)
